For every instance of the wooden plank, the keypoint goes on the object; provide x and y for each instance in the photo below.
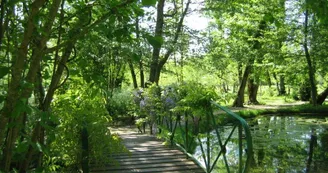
(139, 148)
(152, 167)
(150, 158)
(147, 154)
(146, 161)
(149, 165)
(147, 150)
(155, 170)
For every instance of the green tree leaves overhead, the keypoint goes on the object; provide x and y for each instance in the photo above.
(4, 71)
(148, 3)
(156, 41)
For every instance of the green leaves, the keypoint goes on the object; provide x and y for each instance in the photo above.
(21, 107)
(268, 17)
(156, 41)
(148, 3)
(4, 71)
(136, 57)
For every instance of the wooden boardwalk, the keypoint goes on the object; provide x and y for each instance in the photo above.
(148, 155)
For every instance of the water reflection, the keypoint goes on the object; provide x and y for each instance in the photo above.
(282, 144)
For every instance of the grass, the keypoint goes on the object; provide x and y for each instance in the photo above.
(298, 109)
(275, 100)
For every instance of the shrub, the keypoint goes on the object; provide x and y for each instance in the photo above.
(120, 106)
(82, 109)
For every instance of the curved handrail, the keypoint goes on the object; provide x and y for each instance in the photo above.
(242, 126)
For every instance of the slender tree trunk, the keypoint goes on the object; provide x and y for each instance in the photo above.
(133, 75)
(282, 90)
(322, 96)
(311, 70)
(30, 78)
(142, 76)
(18, 69)
(19, 62)
(277, 82)
(2, 17)
(141, 70)
(38, 129)
(26, 91)
(239, 101)
(175, 40)
(158, 33)
(269, 78)
(240, 72)
(157, 64)
(252, 91)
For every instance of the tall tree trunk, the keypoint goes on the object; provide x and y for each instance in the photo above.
(158, 33)
(26, 91)
(282, 90)
(239, 101)
(175, 40)
(277, 82)
(157, 63)
(2, 17)
(240, 72)
(39, 131)
(142, 76)
(252, 91)
(15, 95)
(19, 62)
(311, 70)
(141, 70)
(133, 75)
(269, 78)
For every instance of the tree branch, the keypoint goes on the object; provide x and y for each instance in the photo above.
(86, 29)
(176, 36)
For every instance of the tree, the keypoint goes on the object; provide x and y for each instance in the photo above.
(157, 40)
(42, 25)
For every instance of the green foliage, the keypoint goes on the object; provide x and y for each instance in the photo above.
(195, 97)
(4, 71)
(152, 105)
(148, 3)
(120, 105)
(156, 41)
(82, 107)
(305, 91)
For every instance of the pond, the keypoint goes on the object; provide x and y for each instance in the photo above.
(281, 144)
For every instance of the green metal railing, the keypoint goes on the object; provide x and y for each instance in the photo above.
(190, 131)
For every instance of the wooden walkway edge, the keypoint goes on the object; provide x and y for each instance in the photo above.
(147, 155)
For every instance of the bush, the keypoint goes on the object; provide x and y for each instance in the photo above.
(120, 106)
(84, 109)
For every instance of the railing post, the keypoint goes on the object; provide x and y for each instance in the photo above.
(186, 126)
(174, 128)
(85, 149)
(208, 166)
(240, 143)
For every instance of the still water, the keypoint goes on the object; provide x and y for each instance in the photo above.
(282, 144)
